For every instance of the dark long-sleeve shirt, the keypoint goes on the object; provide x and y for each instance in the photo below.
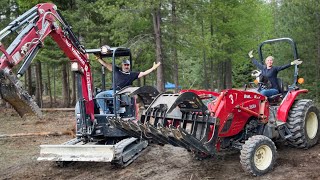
(271, 73)
(123, 79)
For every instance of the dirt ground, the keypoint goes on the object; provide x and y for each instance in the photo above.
(18, 157)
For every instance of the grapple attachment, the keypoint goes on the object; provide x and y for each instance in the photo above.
(177, 119)
(12, 92)
(146, 93)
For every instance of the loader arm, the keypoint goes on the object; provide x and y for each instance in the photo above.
(33, 27)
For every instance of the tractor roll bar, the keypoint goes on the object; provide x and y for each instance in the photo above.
(293, 45)
(294, 50)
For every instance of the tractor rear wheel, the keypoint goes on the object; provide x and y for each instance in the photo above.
(258, 155)
(303, 123)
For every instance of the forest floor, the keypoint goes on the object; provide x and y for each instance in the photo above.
(18, 157)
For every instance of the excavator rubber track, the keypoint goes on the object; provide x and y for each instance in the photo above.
(181, 120)
(11, 91)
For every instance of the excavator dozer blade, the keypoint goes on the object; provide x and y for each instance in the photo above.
(94, 153)
(177, 119)
(121, 153)
(12, 92)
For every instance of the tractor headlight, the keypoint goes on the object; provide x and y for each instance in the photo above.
(300, 80)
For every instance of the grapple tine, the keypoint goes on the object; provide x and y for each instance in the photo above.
(210, 145)
(168, 134)
(179, 136)
(127, 125)
(134, 126)
(113, 123)
(154, 133)
(206, 129)
(193, 141)
(148, 135)
(163, 136)
(116, 123)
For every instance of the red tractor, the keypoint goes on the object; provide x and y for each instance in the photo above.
(205, 122)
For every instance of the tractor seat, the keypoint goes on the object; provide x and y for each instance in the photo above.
(275, 99)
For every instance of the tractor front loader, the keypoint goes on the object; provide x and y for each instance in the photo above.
(96, 139)
(205, 122)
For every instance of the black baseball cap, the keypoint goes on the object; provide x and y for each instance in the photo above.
(126, 61)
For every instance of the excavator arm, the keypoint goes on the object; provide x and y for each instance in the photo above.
(33, 27)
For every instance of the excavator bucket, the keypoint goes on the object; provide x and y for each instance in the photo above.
(178, 119)
(12, 92)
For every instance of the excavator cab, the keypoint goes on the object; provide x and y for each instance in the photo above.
(122, 104)
(112, 104)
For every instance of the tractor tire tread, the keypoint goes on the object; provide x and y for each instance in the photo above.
(248, 151)
(296, 124)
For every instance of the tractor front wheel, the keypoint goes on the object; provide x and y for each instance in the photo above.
(258, 155)
(303, 123)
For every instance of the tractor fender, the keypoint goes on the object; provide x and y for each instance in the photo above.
(285, 106)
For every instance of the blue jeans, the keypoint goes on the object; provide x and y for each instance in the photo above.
(269, 92)
(102, 102)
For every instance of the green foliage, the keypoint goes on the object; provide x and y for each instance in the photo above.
(206, 35)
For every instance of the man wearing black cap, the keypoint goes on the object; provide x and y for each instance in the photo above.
(123, 77)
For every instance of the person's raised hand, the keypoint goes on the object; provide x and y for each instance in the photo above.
(296, 62)
(155, 66)
(250, 54)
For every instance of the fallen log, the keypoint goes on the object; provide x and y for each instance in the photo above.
(71, 133)
(57, 109)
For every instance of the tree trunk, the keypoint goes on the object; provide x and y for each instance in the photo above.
(157, 30)
(174, 49)
(54, 85)
(29, 75)
(65, 102)
(205, 78)
(49, 85)
(26, 82)
(318, 53)
(212, 75)
(68, 84)
(212, 72)
(220, 80)
(74, 89)
(38, 84)
(223, 74)
(228, 74)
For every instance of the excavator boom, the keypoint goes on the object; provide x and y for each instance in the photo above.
(32, 28)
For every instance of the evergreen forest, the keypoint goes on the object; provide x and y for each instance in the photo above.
(201, 44)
